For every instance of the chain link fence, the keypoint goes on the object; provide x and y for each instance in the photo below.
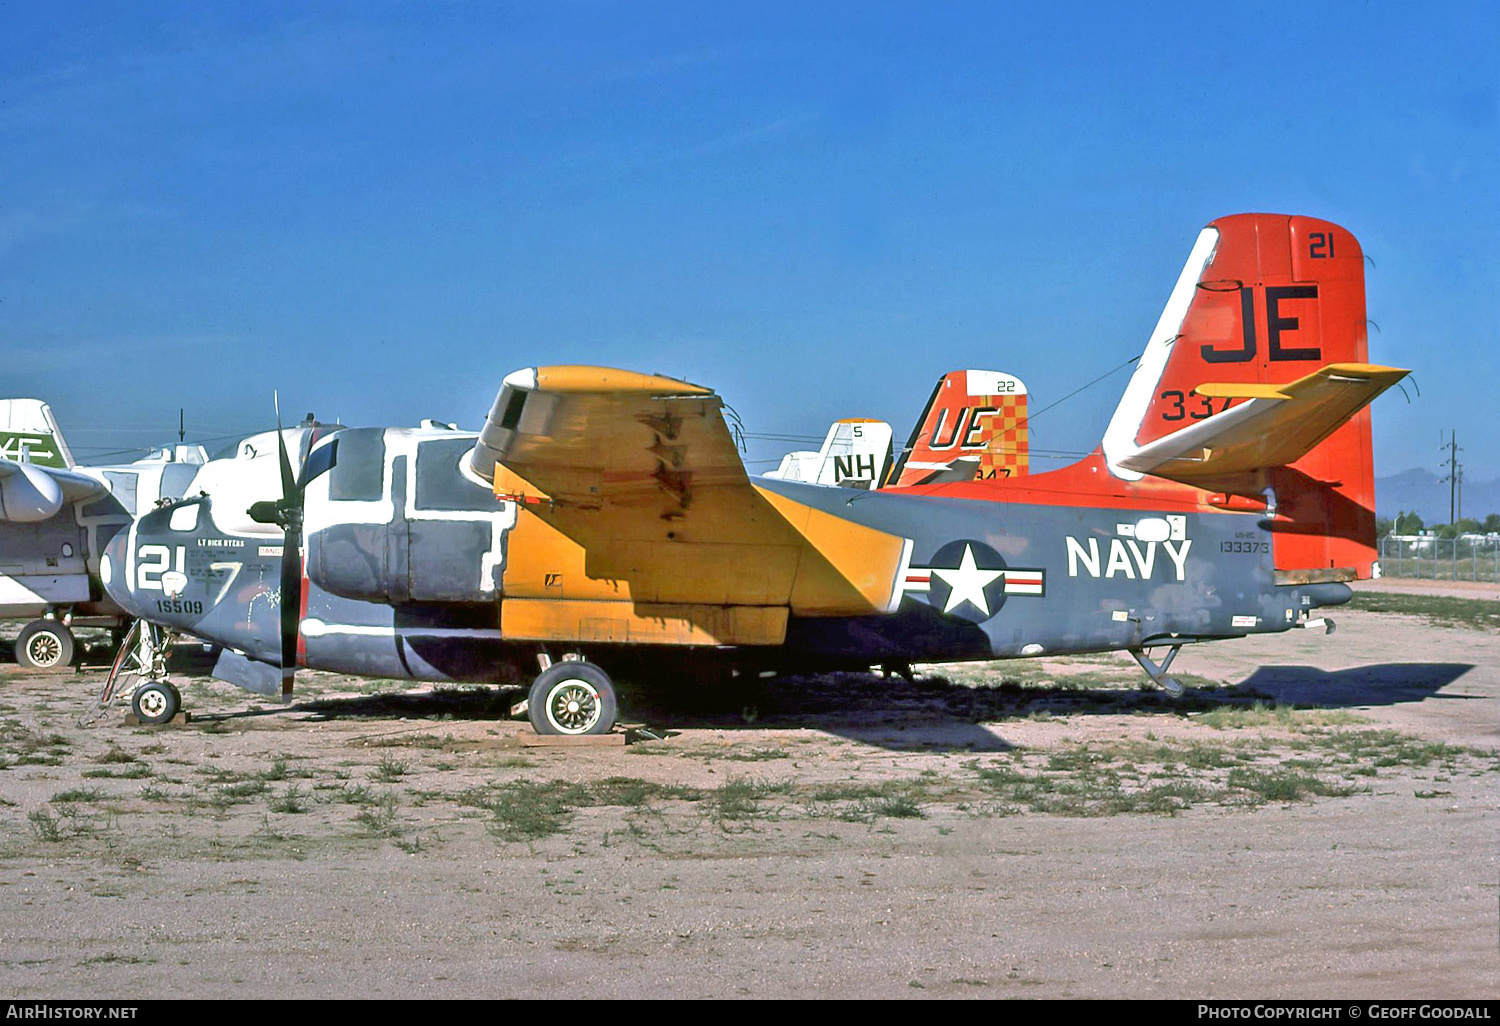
(1473, 558)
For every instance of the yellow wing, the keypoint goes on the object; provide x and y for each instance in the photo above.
(641, 472)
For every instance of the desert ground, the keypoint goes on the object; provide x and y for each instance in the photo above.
(1315, 818)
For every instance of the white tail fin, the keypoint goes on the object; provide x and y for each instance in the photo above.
(29, 434)
(855, 454)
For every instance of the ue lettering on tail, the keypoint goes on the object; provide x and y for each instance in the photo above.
(973, 429)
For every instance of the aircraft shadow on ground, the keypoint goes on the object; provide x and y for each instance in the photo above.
(928, 714)
(935, 714)
(1378, 684)
(471, 702)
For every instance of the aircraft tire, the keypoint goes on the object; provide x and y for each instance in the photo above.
(574, 698)
(156, 701)
(44, 645)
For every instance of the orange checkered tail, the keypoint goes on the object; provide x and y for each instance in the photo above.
(973, 429)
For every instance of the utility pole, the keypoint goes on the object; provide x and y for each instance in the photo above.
(1455, 477)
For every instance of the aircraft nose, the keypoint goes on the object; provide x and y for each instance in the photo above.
(113, 570)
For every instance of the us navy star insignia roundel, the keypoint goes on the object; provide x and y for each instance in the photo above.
(965, 578)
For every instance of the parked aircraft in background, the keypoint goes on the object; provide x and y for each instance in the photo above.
(974, 428)
(55, 518)
(602, 515)
(856, 454)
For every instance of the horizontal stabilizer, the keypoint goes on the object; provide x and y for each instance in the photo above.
(1273, 425)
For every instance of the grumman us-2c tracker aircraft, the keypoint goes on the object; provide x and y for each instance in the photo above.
(602, 517)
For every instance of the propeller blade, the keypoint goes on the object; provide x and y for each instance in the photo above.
(288, 478)
(291, 603)
(288, 513)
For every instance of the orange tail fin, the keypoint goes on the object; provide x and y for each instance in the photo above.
(1256, 382)
(973, 428)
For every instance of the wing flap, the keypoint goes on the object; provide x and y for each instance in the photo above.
(1274, 426)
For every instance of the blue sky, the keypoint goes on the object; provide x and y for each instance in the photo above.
(380, 209)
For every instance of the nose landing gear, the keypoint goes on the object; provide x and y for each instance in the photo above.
(139, 670)
(156, 701)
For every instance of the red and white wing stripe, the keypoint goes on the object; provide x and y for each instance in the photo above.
(1023, 582)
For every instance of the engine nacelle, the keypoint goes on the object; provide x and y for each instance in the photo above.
(397, 520)
(28, 494)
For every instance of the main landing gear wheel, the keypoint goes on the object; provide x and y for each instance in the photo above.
(156, 701)
(44, 644)
(572, 698)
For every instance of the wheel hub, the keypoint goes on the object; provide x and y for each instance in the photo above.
(574, 707)
(44, 650)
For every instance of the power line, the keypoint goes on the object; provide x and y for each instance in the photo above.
(1455, 478)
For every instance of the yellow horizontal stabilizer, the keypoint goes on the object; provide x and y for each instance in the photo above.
(1275, 426)
(1241, 390)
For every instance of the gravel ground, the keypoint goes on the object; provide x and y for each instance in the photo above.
(1009, 830)
(1489, 591)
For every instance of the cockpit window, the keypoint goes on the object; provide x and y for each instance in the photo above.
(184, 518)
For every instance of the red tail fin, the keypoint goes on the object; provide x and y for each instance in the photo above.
(1265, 301)
(973, 428)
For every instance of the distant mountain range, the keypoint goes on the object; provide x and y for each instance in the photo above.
(1421, 490)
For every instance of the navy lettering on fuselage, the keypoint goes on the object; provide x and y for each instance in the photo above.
(1141, 550)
